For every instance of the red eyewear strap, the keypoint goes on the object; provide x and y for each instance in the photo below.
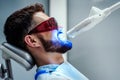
(47, 25)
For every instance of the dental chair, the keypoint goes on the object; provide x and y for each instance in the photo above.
(11, 52)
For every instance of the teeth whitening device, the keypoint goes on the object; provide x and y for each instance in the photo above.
(23, 58)
(96, 16)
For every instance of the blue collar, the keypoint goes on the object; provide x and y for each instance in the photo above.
(46, 69)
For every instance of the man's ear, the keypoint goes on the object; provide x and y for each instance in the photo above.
(31, 41)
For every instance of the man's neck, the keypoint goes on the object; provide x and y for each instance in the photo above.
(49, 58)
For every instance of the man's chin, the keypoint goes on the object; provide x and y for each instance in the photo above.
(56, 46)
(65, 47)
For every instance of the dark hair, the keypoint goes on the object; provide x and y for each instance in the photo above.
(18, 24)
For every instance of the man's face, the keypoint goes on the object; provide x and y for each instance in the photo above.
(55, 43)
(49, 33)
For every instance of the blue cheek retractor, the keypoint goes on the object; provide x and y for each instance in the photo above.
(59, 35)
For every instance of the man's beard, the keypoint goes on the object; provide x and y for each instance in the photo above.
(56, 46)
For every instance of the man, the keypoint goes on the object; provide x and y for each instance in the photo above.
(33, 31)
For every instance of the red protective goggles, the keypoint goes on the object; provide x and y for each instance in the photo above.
(47, 25)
